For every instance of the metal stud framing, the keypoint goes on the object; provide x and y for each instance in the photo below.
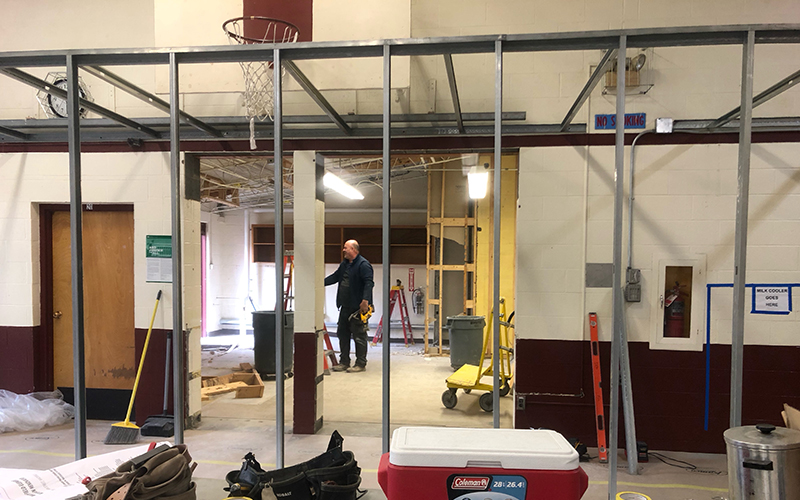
(279, 251)
(740, 238)
(178, 340)
(386, 264)
(606, 40)
(76, 249)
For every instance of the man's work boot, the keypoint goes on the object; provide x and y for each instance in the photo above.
(356, 369)
(340, 368)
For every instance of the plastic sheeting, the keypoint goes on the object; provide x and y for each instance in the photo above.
(30, 412)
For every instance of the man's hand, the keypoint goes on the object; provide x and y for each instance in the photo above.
(364, 306)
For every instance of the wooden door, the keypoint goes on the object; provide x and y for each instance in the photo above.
(108, 300)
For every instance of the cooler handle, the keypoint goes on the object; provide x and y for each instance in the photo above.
(484, 463)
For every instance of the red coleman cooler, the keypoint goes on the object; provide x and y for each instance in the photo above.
(499, 464)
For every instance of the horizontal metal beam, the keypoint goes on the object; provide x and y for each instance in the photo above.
(241, 130)
(599, 72)
(105, 130)
(42, 85)
(316, 96)
(13, 133)
(788, 123)
(780, 87)
(145, 96)
(223, 122)
(585, 40)
(451, 80)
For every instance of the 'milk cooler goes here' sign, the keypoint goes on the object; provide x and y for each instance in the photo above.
(771, 299)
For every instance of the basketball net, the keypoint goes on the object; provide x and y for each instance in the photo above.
(259, 88)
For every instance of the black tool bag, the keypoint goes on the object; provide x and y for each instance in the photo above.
(333, 475)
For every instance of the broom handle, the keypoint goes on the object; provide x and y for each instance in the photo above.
(141, 362)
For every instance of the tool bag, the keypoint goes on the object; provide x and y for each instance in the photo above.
(333, 475)
(164, 473)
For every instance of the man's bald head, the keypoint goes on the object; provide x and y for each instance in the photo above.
(351, 250)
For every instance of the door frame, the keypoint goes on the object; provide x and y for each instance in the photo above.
(43, 358)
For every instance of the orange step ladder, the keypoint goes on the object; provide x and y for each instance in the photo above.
(396, 294)
(288, 295)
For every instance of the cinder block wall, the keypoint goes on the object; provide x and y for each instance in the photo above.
(140, 179)
(684, 208)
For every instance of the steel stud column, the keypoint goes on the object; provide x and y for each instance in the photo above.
(178, 341)
(498, 159)
(616, 342)
(76, 248)
(279, 251)
(386, 219)
(740, 238)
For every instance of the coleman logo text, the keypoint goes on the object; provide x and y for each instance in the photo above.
(470, 483)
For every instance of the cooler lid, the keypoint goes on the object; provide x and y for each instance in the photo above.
(501, 448)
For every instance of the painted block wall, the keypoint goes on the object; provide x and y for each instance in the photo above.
(684, 207)
(695, 82)
(141, 179)
(351, 85)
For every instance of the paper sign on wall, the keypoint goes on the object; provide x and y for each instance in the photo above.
(771, 299)
(158, 250)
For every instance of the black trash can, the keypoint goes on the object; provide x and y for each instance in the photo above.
(264, 341)
(466, 339)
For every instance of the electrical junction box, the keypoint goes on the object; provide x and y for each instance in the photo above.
(664, 125)
(633, 292)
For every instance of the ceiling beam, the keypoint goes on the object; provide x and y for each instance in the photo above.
(42, 85)
(317, 96)
(13, 133)
(145, 96)
(451, 79)
(780, 87)
(531, 42)
(606, 62)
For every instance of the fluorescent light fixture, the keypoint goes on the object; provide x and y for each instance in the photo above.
(478, 180)
(332, 181)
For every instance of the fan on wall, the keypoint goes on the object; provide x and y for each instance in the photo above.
(56, 107)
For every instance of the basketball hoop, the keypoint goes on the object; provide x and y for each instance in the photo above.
(258, 85)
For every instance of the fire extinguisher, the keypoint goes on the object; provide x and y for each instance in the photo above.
(674, 315)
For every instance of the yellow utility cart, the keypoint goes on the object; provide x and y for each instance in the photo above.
(469, 377)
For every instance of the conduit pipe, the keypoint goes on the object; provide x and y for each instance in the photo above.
(630, 197)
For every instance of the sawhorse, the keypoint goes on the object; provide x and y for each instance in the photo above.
(397, 293)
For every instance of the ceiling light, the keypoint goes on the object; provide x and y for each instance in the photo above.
(478, 180)
(331, 181)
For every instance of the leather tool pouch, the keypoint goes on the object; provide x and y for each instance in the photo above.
(164, 473)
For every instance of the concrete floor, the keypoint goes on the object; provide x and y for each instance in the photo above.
(352, 405)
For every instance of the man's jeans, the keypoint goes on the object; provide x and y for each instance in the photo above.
(345, 332)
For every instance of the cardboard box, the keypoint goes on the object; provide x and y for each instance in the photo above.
(246, 383)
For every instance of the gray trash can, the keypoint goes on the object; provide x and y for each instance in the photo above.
(264, 341)
(466, 339)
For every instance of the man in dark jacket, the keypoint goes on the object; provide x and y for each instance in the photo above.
(354, 276)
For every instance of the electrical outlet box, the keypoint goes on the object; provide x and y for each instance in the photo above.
(633, 292)
(520, 402)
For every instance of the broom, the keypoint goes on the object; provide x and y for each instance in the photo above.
(126, 432)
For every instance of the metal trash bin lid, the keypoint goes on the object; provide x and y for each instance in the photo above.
(779, 438)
